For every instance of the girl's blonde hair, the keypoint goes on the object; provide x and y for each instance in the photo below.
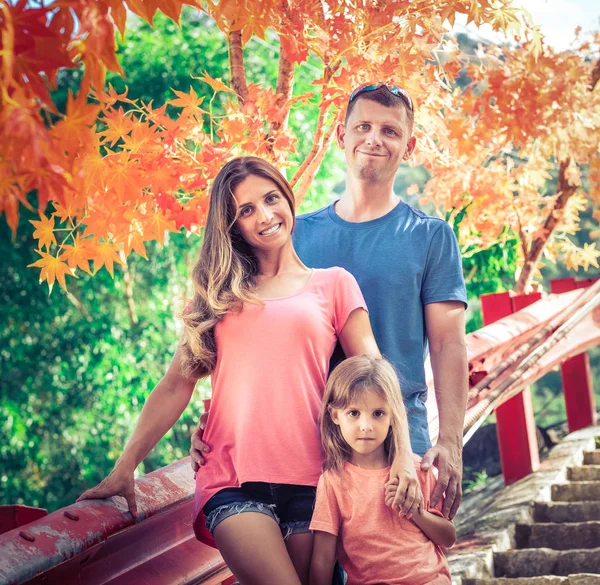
(347, 382)
(225, 274)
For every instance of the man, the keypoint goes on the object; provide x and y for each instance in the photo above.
(408, 267)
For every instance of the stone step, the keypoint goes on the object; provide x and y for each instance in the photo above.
(585, 473)
(591, 457)
(566, 511)
(577, 491)
(564, 536)
(531, 562)
(578, 579)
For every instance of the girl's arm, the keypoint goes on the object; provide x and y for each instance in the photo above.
(323, 558)
(161, 411)
(356, 338)
(439, 530)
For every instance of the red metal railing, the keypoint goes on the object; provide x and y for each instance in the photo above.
(98, 542)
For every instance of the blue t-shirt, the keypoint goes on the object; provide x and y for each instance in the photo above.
(402, 261)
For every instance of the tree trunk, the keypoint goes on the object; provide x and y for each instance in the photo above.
(236, 66)
(565, 191)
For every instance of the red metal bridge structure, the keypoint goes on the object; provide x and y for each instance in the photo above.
(99, 543)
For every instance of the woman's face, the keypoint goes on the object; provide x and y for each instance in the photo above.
(265, 219)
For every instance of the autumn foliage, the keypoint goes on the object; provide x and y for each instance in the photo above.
(532, 115)
(110, 173)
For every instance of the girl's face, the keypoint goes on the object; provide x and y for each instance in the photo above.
(265, 219)
(365, 424)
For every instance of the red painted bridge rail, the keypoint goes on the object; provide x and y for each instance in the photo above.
(515, 424)
(98, 542)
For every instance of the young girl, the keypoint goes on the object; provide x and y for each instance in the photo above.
(263, 326)
(360, 425)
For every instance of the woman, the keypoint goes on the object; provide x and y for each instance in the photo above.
(263, 326)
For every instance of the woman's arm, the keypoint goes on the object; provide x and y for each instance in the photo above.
(161, 411)
(323, 558)
(439, 530)
(357, 338)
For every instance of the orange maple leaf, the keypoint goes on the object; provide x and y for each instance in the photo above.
(134, 241)
(157, 225)
(186, 100)
(118, 125)
(11, 194)
(216, 84)
(44, 231)
(77, 254)
(104, 254)
(52, 269)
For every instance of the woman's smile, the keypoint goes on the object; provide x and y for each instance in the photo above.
(270, 230)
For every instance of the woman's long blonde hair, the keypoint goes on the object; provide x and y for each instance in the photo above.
(346, 383)
(225, 274)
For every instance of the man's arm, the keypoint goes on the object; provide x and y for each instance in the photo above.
(445, 323)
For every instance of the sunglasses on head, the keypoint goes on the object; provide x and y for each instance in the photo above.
(393, 89)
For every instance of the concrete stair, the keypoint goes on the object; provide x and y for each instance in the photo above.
(562, 545)
(563, 536)
(592, 457)
(566, 511)
(584, 473)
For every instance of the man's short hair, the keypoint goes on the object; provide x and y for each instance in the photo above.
(384, 97)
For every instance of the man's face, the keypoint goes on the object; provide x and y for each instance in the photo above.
(376, 139)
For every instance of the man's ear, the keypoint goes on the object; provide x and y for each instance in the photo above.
(410, 147)
(340, 132)
(333, 413)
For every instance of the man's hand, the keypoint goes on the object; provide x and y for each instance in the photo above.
(403, 490)
(118, 483)
(198, 447)
(447, 457)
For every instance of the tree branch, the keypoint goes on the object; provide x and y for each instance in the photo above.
(311, 169)
(128, 280)
(285, 85)
(77, 302)
(595, 75)
(314, 151)
(565, 190)
(522, 236)
(236, 66)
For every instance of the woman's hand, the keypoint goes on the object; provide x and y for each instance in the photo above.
(120, 482)
(199, 448)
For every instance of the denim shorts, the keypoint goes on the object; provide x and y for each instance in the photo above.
(291, 506)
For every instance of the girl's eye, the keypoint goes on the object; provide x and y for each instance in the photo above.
(378, 413)
(272, 198)
(353, 413)
(246, 211)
